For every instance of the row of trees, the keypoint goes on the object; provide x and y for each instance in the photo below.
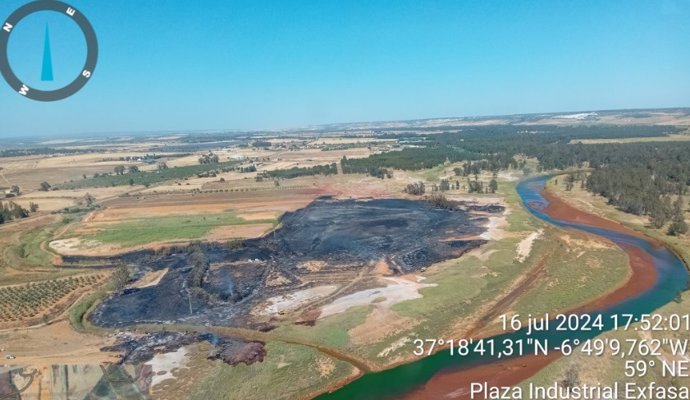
(247, 169)
(294, 172)
(641, 191)
(477, 186)
(10, 210)
(120, 169)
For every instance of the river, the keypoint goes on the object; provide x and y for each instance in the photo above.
(670, 277)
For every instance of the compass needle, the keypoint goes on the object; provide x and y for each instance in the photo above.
(47, 70)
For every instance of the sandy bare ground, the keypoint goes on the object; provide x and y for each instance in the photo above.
(54, 344)
(73, 246)
(524, 248)
(397, 290)
(164, 365)
(152, 278)
(294, 301)
(237, 232)
(381, 323)
(509, 176)
(494, 228)
(79, 247)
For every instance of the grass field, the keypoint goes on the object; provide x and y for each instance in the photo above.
(289, 371)
(30, 249)
(141, 231)
(25, 257)
(331, 331)
(579, 272)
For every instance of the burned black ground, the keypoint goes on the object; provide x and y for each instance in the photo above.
(345, 235)
(232, 351)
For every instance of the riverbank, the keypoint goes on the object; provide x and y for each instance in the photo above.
(608, 369)
(643, 274)
(456, 383)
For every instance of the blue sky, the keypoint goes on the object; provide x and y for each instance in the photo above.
(217, 64)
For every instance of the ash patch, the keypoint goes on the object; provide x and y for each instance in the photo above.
(137, 350)
(341, 236)
(232, 351)
(235, 352)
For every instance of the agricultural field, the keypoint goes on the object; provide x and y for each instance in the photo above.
(35, 302)
(146, 178)
(314, 253)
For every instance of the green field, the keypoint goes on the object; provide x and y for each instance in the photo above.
(576, 276)
(289, 371)
(331, 331)
(134, 232)
(29, 257)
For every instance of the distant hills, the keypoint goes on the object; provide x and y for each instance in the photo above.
(661, 116)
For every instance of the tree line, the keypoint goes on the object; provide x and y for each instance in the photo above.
(10, 210)
(643, 178)
(294, 172)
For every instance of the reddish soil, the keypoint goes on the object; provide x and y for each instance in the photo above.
(560, 210)
(456, 384)
(643, 274)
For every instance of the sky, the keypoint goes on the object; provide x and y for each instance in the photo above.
(174, 65)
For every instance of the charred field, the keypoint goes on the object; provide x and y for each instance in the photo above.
(330, 242)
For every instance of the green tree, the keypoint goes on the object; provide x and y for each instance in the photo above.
(678, 225)
(661, 212)
(493, 186)
(569, 182)
(120, 277)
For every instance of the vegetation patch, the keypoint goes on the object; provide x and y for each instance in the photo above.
(147, 178)
(134, 232)
(30, 303)
(289, 371)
